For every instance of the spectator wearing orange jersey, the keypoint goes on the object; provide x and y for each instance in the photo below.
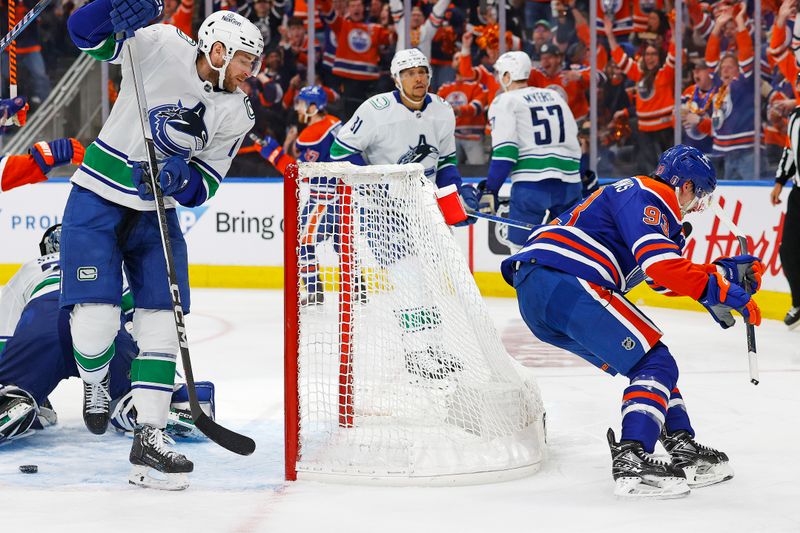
(483, 73)
(619, 13)
(654, 98)
(179, 14)
(571, 84)
(469, 102)
(357, 51)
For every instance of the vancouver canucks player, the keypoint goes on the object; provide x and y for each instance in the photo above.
(199, 117)
(407, 125)
(571, 277)
(36, 353)
(535, 141)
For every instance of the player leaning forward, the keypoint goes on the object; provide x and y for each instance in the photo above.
(571, 277)
(199, 117)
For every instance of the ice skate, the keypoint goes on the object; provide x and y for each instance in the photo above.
(312, 298)
(702, 466)
(639, 475)
(432, 363)
(792, 318)
(95, 405)
(155, 465)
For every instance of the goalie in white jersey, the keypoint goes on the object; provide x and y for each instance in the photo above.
(408, 125)
(199, 117)
(535, 141)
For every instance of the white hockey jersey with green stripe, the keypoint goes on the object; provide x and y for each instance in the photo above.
(384, 131)
(535, 131)
(204, 127)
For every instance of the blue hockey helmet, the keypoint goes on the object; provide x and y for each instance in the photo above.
(51, 240)
(313, 94)
(681, 164)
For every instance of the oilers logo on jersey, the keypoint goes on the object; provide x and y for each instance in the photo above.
(419, 153)
(359, 40)
(179, 130)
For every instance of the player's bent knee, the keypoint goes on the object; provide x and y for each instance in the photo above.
(94, 327)
(657, 362)
(154, 331)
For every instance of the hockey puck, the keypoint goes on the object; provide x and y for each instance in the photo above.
(28, 469)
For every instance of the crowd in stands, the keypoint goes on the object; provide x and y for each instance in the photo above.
(354, 41)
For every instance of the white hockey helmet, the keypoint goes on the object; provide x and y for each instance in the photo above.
(236, 33)
(516, 64)
(405, 59)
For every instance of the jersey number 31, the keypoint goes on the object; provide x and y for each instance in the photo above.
(542, 118)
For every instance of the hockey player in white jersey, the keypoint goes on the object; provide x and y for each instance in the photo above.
(408, 125)
(535, 141)
(199, 117)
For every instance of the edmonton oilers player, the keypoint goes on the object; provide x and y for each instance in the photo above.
(571, 277)
(36, 353)
(407, 125)
(318, 218)
(199, 117)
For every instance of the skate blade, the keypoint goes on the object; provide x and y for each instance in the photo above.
(705, 475)
(636, 488)
(147, 477)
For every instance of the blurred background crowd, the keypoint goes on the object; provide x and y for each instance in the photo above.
(722, 68)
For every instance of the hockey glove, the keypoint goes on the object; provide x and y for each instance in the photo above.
(57, 153)
(174, 177)
(470, 197)
(271, 150)
(15, 109)
(721, 297)
(487, 200)
(130, 15)
(740, 269)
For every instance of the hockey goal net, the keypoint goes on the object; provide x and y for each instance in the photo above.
(394, 371)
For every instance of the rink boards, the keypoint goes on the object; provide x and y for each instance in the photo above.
(236, 239)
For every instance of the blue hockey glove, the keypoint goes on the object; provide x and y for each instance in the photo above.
(487, 200)
(270, 149)
(130, 15)
(721, 297)
(15, 109)
(174, 177)
(56, 153)
(470, 197)
(741, 268)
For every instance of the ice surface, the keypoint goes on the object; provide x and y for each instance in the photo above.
(235, 339)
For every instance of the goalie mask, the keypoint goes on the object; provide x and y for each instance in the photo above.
(406, 59)
(51, 240)
(18, 412)
(236, 33)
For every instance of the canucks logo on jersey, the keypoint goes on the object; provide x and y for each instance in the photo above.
(179, 130)
(419, 153)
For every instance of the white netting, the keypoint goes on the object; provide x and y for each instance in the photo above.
(402, 376)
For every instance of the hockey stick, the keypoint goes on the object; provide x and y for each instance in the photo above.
(751, 330)
(12, 51)
(23, 23)
(501, 220)
(226, 438)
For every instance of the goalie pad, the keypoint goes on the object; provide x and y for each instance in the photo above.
(18, 411)
(179, 420)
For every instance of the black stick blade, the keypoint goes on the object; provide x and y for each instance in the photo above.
(230, 440)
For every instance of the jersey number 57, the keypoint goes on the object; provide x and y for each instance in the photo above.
(543, 123)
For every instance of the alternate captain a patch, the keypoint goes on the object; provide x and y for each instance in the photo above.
(179, 130)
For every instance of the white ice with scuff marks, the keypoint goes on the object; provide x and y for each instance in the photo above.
(235, 339)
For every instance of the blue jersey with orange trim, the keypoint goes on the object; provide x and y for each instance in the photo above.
(615, 238)
(314, 144)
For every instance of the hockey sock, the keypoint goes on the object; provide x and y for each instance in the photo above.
(152, 379)
(646, 399)
(311, 278)
(677, 417)
(93, 368)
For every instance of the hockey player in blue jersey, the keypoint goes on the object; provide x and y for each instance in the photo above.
(36, 354)
(319, 219)
(571, 277)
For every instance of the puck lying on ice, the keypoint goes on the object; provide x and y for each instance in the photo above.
(28, 469)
